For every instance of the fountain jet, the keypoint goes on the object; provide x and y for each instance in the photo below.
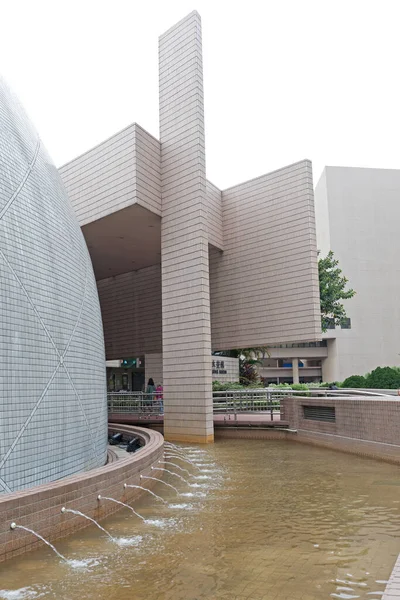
(165, 462)
(160, 481)
(15, 526)
(80, 514)
(177, 457)
(122, 504)
(139, 487)
(170, 472)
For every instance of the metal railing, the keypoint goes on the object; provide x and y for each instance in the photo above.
(252, 401)
(229, 402)
(138, 403)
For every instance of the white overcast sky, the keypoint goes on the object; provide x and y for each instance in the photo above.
(284, 79)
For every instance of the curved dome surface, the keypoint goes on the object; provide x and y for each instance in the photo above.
(53, 410)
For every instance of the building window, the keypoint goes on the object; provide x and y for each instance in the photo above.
(346, 324)
(330, 324)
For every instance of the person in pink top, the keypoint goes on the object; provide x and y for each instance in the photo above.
(159, 397)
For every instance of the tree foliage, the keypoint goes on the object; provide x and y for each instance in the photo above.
(355, 381)
(384, 378)
(332, 289)
(249, 358)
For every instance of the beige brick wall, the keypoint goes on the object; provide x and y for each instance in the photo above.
(214, 215)
(264, 287)
(184, 236)
(117, 173)
(366, 426)
(131, 311)
(153, 368)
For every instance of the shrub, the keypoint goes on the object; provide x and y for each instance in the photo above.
(355, 381)
(279, 386)
(384, 378)
(300, 387)
(219, 386)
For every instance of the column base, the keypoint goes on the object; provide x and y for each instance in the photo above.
(189, 438)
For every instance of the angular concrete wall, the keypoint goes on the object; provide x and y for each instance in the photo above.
(154, 368)
(184, 236)
(264, 286)
(53, 410)
(214, 216)
(119, 172)
(131, 311)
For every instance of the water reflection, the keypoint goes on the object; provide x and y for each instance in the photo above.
(275, 521)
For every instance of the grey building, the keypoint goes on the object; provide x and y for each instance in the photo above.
(357, 214)
(53, 416)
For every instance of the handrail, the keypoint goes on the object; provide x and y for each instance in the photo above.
(251, 400)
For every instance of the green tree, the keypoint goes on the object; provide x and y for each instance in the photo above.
(332, 289)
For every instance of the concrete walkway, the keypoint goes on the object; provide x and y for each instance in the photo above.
(261, 419)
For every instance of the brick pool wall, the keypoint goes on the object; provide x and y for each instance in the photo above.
(39, 508)
(365, 426)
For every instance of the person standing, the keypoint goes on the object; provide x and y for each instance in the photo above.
(159, 397)
(150, 391)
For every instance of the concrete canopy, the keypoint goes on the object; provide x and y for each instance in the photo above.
(126, 240)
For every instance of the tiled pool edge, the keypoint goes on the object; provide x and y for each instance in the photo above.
(392, 591)
(39, 508)
(364, 426)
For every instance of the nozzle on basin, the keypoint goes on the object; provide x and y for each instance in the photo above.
(63, 509)
(13, 525)
(99, 497)
(125, 486)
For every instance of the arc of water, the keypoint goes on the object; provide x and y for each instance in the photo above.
(80, 514)
(166, 462)
(15, 526)
(139, 487)
(177, 457)
(171, 444)
(160, 481)
(175, 449)
(175, 453)
(122, 504)
(170, 472)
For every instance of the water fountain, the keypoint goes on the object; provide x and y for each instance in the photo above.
(80, 514)
(172, 445)
(122, 504)
(165, 462)
(161, 481)
(14, 526)
(175, 451)
(139, 487)
(177, 457)
(171, 473)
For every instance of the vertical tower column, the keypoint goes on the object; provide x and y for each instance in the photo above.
(184, 237)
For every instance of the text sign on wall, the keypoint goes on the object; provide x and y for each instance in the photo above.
(218, 367)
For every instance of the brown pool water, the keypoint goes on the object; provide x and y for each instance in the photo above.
(276, 520)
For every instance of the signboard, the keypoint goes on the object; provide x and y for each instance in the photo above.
(218, 367)
(132, 363)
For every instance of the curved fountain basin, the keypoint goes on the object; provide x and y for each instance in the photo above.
(277, 521)
(39, 508)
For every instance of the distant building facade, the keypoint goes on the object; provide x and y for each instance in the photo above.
(182, 267)
(358, 216)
